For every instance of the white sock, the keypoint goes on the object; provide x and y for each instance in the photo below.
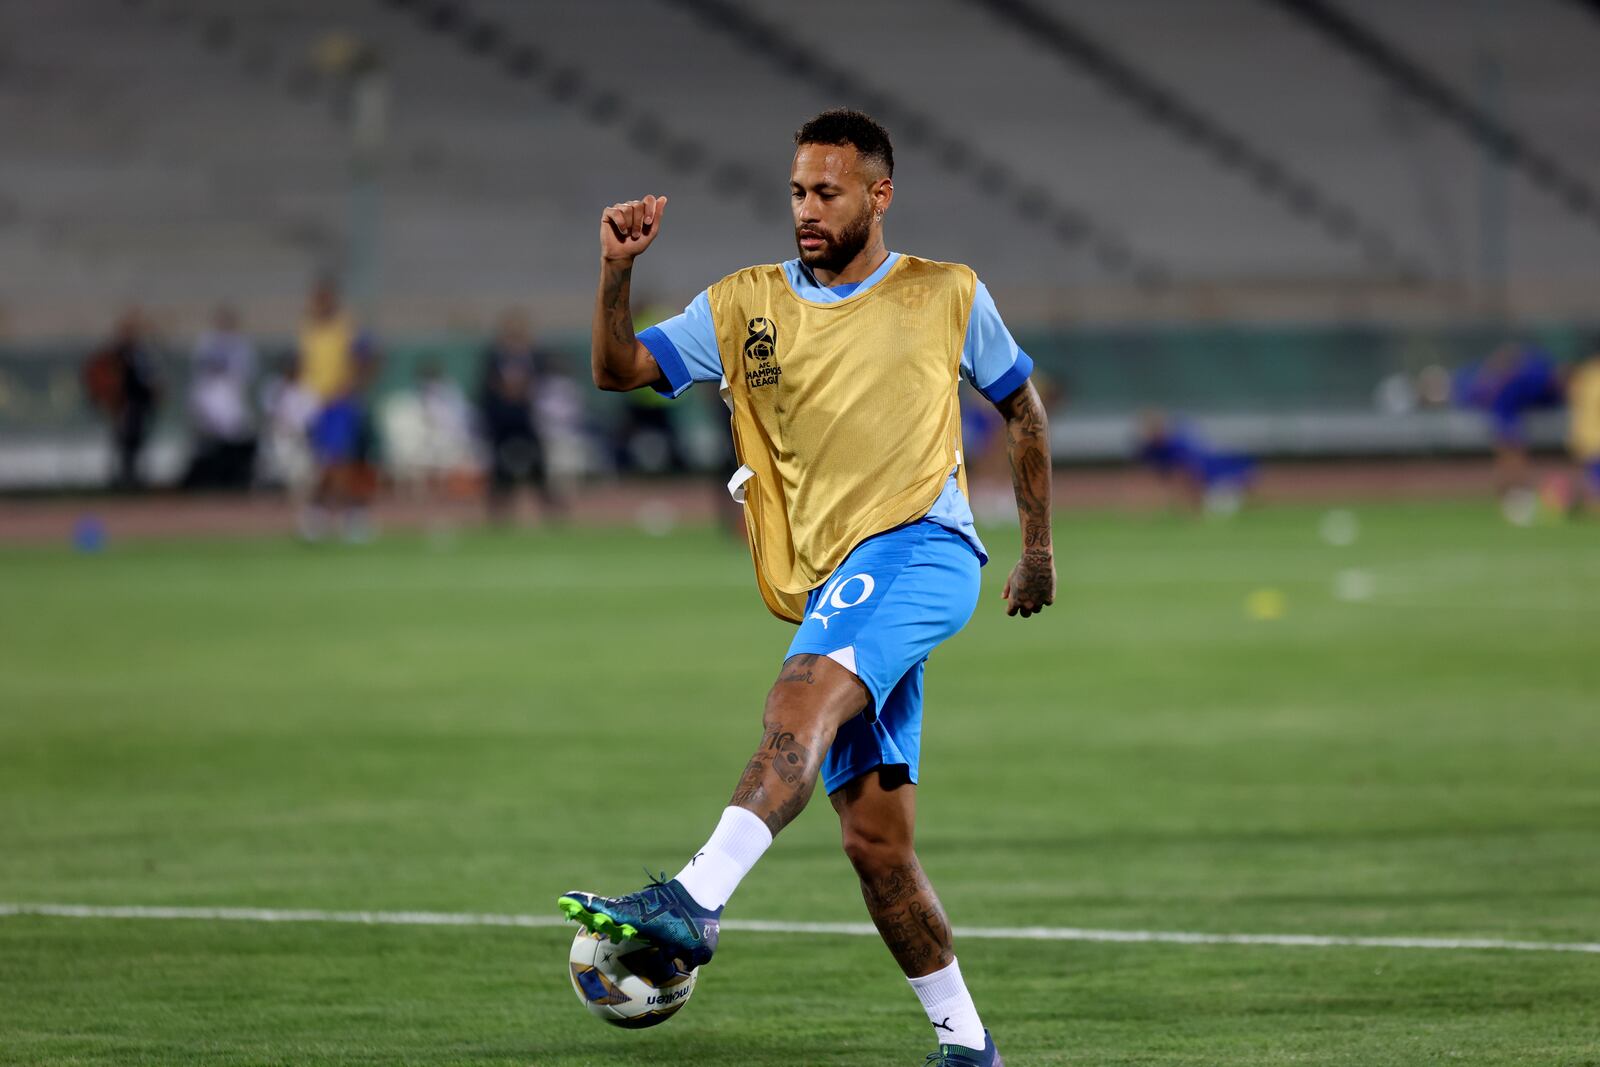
(949, 1006)
(716, 870)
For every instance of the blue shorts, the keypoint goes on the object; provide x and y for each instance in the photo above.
(335, 432)
(893, 599)
(1591, 472)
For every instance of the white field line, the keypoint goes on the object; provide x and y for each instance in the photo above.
(993, 933)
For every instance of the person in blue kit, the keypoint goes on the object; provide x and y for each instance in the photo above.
(1516, 379)
(1201, 477)
(841, 369)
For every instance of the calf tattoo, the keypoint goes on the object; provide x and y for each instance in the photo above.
(749, 787)
(778, 781)
(789, 758)
(795, 732)
(909, 917)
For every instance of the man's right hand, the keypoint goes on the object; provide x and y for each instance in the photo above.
(627, 229)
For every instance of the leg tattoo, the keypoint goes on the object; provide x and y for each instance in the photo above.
(908, 914)
(802, 714)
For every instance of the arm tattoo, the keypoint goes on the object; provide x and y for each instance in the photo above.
(616, 304)
(1028, 445)
(612, 344)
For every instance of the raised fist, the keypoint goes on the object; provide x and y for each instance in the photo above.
(627, 229)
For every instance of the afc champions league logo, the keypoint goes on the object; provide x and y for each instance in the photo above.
(761, 352)
(762, 344)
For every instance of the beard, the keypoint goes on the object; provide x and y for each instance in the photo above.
(838, 249)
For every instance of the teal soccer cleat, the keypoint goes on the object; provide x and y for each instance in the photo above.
(662, 915)
(961, 1056)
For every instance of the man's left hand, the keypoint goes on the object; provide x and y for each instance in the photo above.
(1032, 585)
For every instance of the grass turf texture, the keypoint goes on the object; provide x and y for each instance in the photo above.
(482, 724)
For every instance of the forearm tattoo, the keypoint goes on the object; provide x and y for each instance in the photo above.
(1028, 446)
(615, 304)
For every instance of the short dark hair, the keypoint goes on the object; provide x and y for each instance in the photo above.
(843, 125)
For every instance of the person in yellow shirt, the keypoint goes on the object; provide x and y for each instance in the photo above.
(841, 368)
(1583, 424)
(334, 365)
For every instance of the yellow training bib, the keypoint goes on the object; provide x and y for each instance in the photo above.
(845, 414)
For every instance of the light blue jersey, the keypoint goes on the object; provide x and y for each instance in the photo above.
(685, 347)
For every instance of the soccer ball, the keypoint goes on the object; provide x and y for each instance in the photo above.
(626, 984)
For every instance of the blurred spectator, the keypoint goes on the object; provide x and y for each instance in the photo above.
(1199, 476)
(1514, 380)
(509, 403)
(560, 414)
(120, 380)
(288, 411)
(647, 438)
(222, 368)
(336, 365)
(428, 433)
(1583, 434)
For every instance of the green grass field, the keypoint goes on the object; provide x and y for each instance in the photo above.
(479, 725)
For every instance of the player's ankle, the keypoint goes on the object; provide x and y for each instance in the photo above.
(713, 873)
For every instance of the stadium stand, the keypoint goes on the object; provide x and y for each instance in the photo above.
(200, 150)
(1494, 134)
(1169, 109)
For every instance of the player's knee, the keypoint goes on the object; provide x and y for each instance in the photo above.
(875, 853)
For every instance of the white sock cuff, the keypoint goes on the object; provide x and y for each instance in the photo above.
(714, 872)
(945, 982)
(741, 832)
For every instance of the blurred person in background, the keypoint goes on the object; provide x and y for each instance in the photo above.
(1514, 380)
(287, 411)
(222, 367)
(508, 407)
(1196, 475)
(428, 434)
(336, 363)
(562, 419)
(1583, 429)
(120, 381)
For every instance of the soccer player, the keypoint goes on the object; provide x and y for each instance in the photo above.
(1201, 477)
(1513, 381)
(335, 364)
(841, 369)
